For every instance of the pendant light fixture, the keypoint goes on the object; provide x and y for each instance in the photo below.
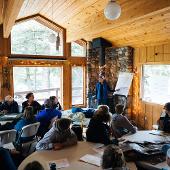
(112, 10)
(52, 37)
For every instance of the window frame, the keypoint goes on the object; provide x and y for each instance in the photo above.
(84, 86)
(39, 65)
(83, 43)
(141, 94)
(51, 25)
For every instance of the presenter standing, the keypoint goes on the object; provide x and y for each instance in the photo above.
(102, 90)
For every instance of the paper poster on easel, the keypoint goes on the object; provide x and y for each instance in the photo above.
(123, 83)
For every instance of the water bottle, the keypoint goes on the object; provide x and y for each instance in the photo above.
(53, 166)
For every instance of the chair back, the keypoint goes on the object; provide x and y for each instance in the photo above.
(30, 130)
(7, 136)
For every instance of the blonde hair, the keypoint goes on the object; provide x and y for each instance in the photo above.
(28, 113)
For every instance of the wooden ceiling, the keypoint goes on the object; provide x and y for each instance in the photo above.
(142, 22)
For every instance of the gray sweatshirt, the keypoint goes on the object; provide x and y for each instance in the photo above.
(54, 135)
(120, 123)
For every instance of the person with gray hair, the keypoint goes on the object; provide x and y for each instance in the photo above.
(58, 137)
(9, 105)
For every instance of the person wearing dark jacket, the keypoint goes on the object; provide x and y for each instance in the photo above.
(31, 102)
(9, 105)
(98, 131)
(164, 121)
(102, 90)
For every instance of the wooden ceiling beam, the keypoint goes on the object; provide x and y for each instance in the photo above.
(1, 11)
(12, 8)
(130, 13)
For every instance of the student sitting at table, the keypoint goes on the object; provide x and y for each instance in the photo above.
(9, 105)
(120, 123)
(113, 159)
(98, 131)
(55, 103)
(164, 121)
(46, 117)
(28, 118)
(58, 137)
(31, 102)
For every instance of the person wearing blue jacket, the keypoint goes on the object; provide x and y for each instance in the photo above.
(102, 89)
(46, 117)
(27, 119)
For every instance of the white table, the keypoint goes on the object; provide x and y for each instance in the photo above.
(73, 154)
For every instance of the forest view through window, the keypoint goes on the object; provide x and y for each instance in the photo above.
(77, 85)
(42, 81)
(156, 83)
(31, 37)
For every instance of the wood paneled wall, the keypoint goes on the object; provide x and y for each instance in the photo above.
(147, 114)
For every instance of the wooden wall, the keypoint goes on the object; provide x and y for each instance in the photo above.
(147, 114)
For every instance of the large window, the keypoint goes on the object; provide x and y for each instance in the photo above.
(77, 85)
(78, 49)
(42, 81)
(156, 83)
(31, 37)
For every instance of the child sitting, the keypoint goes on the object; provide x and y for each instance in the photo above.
(120, 124)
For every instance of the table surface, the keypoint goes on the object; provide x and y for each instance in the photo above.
(149, 136)
(10, 117)
(72, 154)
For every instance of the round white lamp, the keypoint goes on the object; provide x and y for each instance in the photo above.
(112, 10)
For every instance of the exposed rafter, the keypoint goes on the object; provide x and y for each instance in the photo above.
(12, 8)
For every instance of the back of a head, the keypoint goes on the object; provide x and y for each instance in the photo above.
(63, 124)
(119, 108)
(102, 114)
(167, 106)
(35, 165)
(28, 113)
(48, 103)
(112, 157)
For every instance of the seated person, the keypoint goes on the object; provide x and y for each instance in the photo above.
(31, 102)
(33, 166)
(164, 121)
(9, 105)
(59, 136)
(6, 161)
(46, 116)
(120, 124)
(28, 118)
(98, 131)
(113, 159)
(55, 103)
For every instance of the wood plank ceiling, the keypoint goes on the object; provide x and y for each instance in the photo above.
(142, 22)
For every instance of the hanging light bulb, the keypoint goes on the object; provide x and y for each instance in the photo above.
(112, 10)
(52, 37)
(57, 42)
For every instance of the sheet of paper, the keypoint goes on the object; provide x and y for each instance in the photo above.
(123, 84)
(61, 163)
(91, 159)
(9, 116)
(9, 146)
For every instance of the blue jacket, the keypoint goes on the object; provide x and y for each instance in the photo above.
(46, 115)
(106, 89)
